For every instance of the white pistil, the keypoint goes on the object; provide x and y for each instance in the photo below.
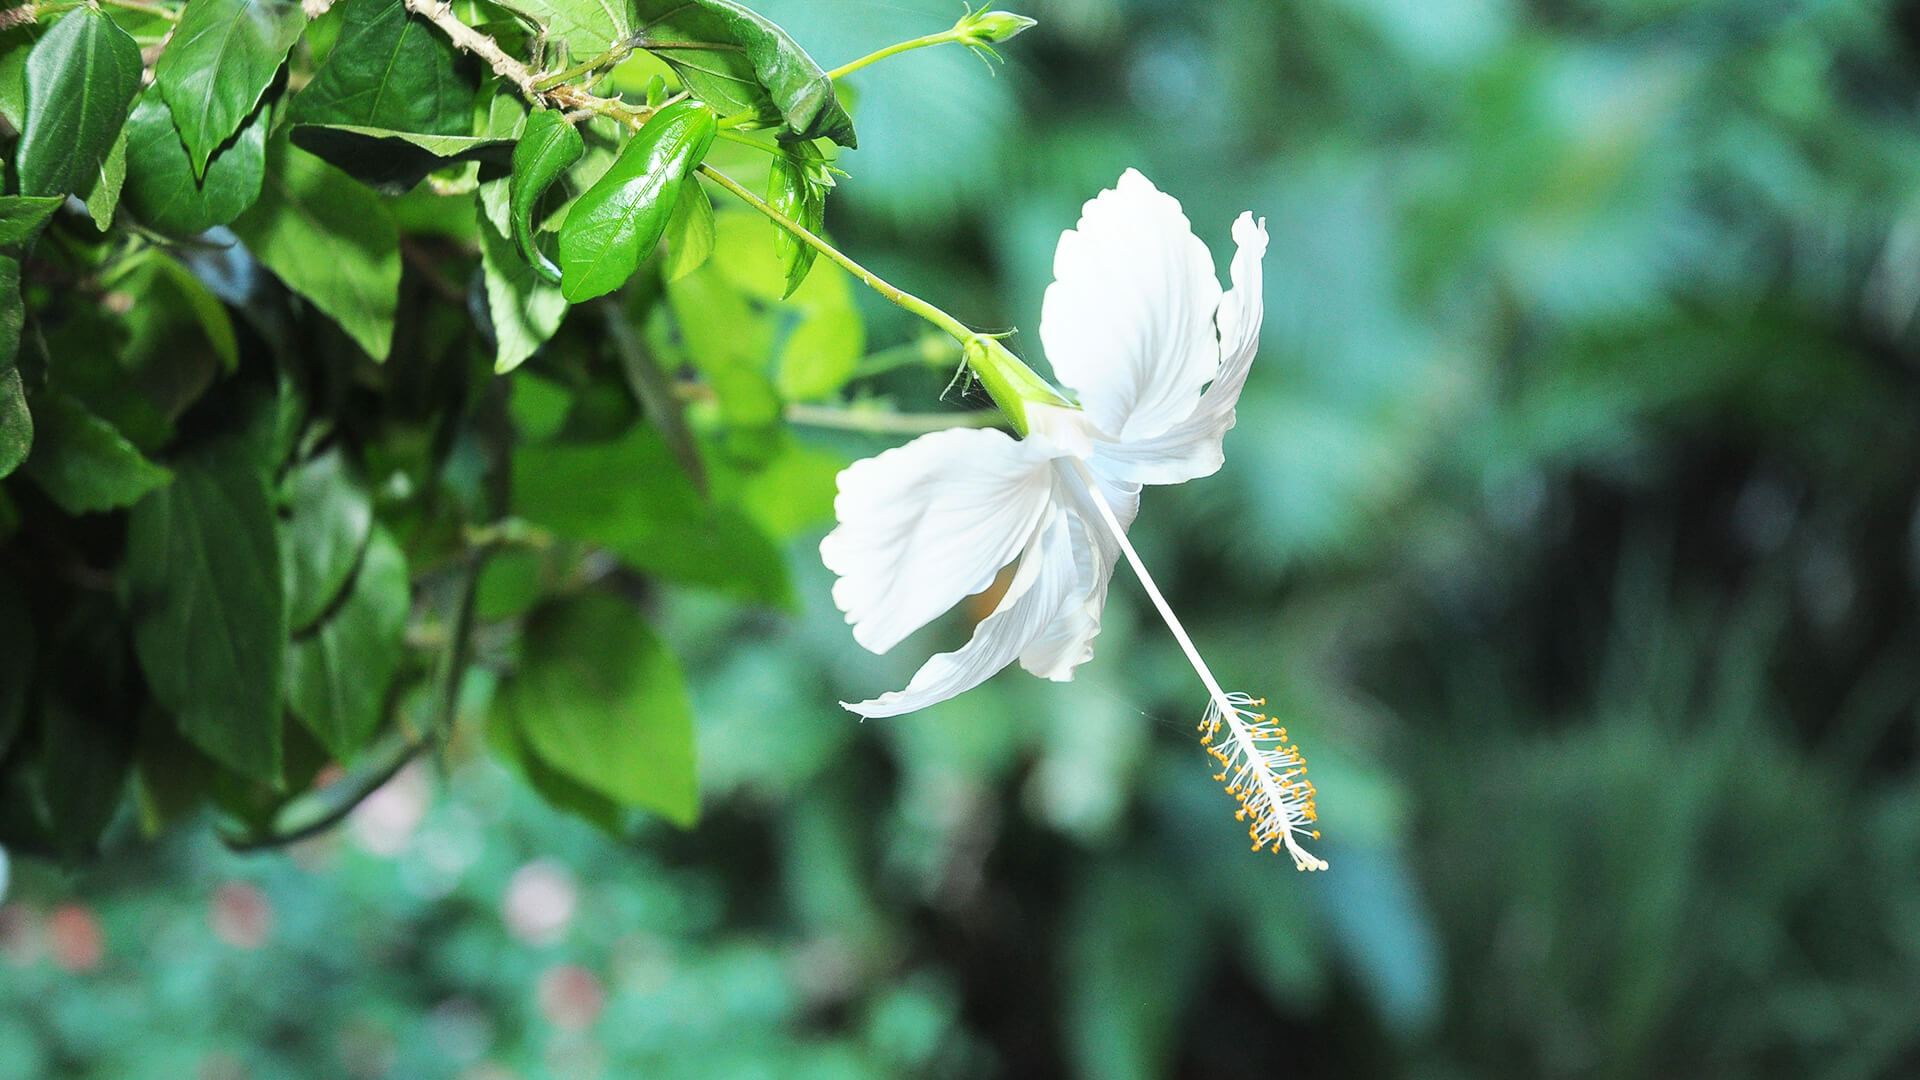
(1270, 782)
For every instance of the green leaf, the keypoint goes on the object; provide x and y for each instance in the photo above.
(389, 70)
(689, 232)
(86, 756)
(16, 45)
(331, 240)
(392, 162)
(204, 594)
(103, 196)
(16, 661)
(13, 315)
(588, 27)
(16, 423)
(339, 673)
(330, 517)
(82, 462)
(548, 147)
(21, 217)
(164, 189)
(617, 222)
(601, 699)
(737, 61)
(80, 79)
(525, 308)
(633, 499)
(509, 743)
(223, 55)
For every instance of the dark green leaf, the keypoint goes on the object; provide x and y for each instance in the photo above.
(338, 675)
(13, 313)
(601, 699)
(204, 591)
(617, 222)
(737, 61)
(82, 462)
(86, 755)
(223, 55)
(331, 240)
(21, 217)
(633, 499)
(164, 189)
(16, 423)
(80, 79)
(16, 661)
(689, 232)
(103, 195)
(330, 516)
(392, 162)
(389, 70)
(548, 146)
(525, 308)
(16, 45)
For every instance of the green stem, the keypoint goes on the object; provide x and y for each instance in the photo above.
(606, 59)
(874, 281)
(940, 38)
(743, 140)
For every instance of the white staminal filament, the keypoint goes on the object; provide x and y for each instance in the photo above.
(1259, 766)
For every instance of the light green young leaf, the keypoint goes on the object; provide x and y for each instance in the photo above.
(81, 77)
(222, 57)
(331, 240)
(82, 462)
(601, 699)
(525, 308)
(737, 61)
(548, 147)
(689, 235)
(204, 594)
(617, 222)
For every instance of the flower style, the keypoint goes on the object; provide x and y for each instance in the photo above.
(1137, 325)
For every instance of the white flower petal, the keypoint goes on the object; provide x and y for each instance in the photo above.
(1128, 321)
(1067, 642)
(1041, 586)
(1191, 448)
(926, 524)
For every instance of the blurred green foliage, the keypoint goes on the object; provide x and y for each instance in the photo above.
(1571, 523)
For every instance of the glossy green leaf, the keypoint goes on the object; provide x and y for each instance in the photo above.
(81, 77)
(338, 674)
(331, 240)
(204, 593)
(164, 189)
(21, 217)
(17, 639)
(633, 499)
(16, 45)
(548, 147)
(739, 62)
(223, 55)
(689, 236)
(389, 70)
(392, 162)
(525, 308)
(601, 699)
(617, 222)
(103, 195)
(82, 462)
(16, 423)
(329, 516)
(795, 189)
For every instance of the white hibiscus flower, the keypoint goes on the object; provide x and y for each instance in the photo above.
(1137, 326)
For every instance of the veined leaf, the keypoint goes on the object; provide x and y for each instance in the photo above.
(21, 216)
(80, 79)
(331, 517)
(339, 673)
(617, 222)
(331, 240)
(525, 308)
(223, 55)
(588, 27)
(601, 699)
(13, 314)
(689, 232)
(82, 462)
(16, 423)
(204, 592)
(392, 162)
(389, 70)
(737, 61)
(167, 192)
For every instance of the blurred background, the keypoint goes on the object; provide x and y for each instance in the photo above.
(1570, 524)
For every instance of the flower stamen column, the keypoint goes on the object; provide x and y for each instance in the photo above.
(1259, 766)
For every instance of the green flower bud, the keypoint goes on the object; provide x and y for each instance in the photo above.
(990, 27)
(1013, 385)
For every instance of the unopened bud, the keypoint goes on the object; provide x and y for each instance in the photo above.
(1013, 385)
(990, 27)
